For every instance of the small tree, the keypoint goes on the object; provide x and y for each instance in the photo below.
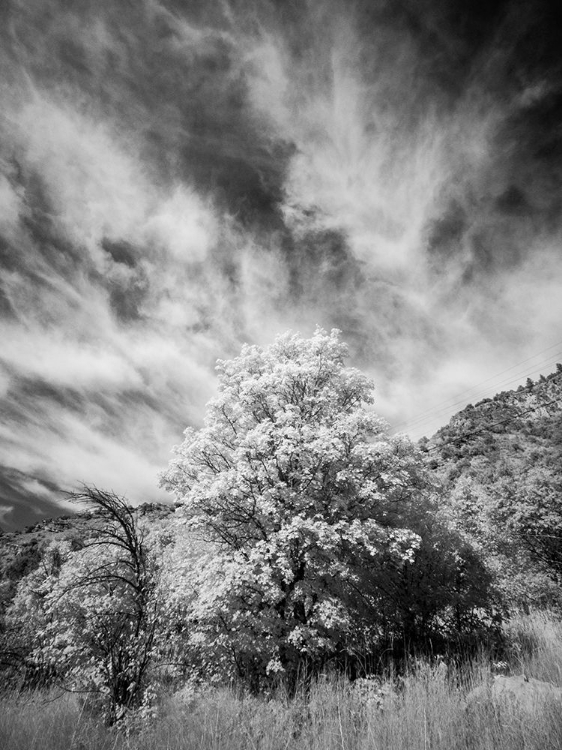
(97, 614)
(307, 500)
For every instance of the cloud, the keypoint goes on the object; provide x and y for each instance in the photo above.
(80, 453)
(176, 179)
(10, 205)
(97, 187)
(435, 187)
(63, 364)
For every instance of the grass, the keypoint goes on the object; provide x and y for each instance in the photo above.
(426, 710)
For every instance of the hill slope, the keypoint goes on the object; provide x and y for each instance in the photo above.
(530, 414)
(500, 466)
(21, 551)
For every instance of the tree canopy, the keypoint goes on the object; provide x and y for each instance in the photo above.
(315, 512)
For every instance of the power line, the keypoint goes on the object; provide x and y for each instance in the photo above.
(421, 421)
(463, 436)
(432, 415)
(447, 405)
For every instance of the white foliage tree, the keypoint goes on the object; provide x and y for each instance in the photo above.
(302, 491)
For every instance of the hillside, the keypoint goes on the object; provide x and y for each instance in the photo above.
(499, 463)
(21, 551)
(532, 413)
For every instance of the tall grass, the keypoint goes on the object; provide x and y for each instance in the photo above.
(425, 709)
(535, 646)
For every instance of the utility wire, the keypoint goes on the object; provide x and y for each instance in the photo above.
(431, 416)
(461, 394)
(463, 436)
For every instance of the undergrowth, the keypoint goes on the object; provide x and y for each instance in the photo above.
(425, 708)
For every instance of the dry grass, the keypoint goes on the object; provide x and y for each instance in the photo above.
(425, 710)
(536, 646)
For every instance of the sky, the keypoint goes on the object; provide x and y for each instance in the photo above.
(179, 177)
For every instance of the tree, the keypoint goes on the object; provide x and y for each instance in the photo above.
(307, 501)
(97, 615)
(533, 512)
(511, 512)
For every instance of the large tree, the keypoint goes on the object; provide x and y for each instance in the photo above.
(312, 508)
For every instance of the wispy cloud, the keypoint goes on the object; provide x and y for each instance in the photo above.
(175, 180)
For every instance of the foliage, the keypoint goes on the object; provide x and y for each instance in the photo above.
(424, 708)
(95, 616)
(316, 514)
(500, 463)
(535, 516)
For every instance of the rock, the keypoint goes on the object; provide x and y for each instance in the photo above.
(519, 692)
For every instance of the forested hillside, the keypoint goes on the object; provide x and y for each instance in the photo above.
(21, 551)
(499, 464)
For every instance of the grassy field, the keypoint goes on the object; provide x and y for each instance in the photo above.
(424, 709)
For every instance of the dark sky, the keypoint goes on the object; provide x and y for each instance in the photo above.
(178, 178)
